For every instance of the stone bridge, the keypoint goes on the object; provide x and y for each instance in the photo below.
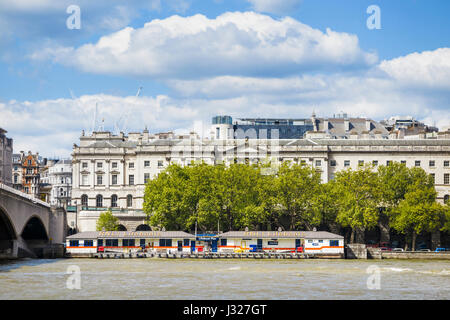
(28, 225)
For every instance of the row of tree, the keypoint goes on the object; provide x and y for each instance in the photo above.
(212, 197)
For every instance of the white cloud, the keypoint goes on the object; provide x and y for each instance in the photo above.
(424, 69)
(275, 6)
(247, 44)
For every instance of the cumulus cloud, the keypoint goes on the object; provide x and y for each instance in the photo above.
(245, 44)
(275, 6)
(424, 69)
(192, 104)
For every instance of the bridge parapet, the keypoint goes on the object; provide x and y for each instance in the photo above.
(24, 195)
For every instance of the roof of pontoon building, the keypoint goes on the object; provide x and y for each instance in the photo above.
(131, 234)
(281, 234)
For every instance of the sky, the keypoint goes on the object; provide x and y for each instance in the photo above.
(195, 59)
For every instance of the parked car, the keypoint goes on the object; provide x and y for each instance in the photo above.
(398, 249)
(440, 249)
(385, 249)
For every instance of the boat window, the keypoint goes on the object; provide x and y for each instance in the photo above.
(88, 243)
(100, 242)
(334, 243)
(186, 242)
(73, 243)
(223, 242)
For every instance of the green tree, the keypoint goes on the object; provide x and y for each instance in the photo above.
(358, 200)
(418, 212)
(296, 188)
(107, 222)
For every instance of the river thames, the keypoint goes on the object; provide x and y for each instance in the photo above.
(225, 279)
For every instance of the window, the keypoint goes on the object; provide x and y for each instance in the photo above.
(84, 165)
(114, 179)
(84, 200)
(417, 163)
(446, 163)
(446, 198)
(131, 179)
(114, 165)
(318, 163)
(84, 180)
(73, 243)
(142, 243)
(346, 163)
(320, 241)
(100, 242)
(112, 242)
(160, 163)
(99, 179)
(165, 242)
(360, 163)
(333, 163)
(114, 201)
(99, 165)
(128, 242)
(129, 200)
(403, 162)
(388, 162)
(99, 201)
(446, 178)
(146, 163)
(146, 177)
(432, 163)
(186, 242)
(223, 242)
(334, 243)
(217, 133)
(131, 165)
(88, 243)
(375, 163)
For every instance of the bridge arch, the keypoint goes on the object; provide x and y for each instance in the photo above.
(34, 229)
(7, 231)
(143, 227)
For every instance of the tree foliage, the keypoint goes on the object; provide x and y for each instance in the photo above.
(107, 222)
(212, 197)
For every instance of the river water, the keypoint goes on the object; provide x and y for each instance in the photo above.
(225, 279)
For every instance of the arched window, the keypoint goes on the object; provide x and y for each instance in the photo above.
(129, 200)
(84, 200)
(99, 201)
(446, 198)
(114, 201)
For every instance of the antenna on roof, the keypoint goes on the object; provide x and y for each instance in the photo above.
(94, 122)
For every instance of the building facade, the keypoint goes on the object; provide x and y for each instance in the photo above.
(56, 182)
(6, 150)
(110, 171)
(26, 175)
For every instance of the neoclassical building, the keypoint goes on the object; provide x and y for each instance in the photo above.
(110, 171)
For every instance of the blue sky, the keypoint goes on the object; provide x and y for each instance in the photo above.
(243, 58)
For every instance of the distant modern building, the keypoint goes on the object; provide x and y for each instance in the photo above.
(6, 149)
(409, 128)
(56, 182)
(340, 126)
